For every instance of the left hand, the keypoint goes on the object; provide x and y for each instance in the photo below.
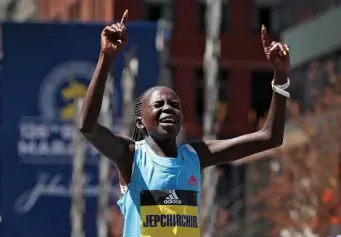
(276, 53)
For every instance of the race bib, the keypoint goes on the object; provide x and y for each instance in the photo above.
(169, 213)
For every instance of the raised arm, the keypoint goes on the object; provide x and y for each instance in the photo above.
(117, 148)
(271, 135)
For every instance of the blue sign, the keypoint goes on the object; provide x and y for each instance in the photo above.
(45, 68)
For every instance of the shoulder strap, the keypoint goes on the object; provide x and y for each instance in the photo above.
(190, 148)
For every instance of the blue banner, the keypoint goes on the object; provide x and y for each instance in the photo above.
(45, 68)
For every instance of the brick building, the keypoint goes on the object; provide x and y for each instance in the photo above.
(244, 72)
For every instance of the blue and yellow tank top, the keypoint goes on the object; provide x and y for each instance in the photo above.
(163, 196)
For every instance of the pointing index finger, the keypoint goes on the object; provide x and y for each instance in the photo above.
(124, 17)
(265, 38)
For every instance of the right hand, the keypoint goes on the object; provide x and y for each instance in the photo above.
(276, 53)
(114, 37)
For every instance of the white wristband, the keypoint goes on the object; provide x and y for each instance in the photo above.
(280, 89)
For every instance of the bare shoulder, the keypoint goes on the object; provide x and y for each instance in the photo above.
(115, 147)
(202, 151)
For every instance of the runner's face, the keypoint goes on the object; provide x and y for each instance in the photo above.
(161, 113)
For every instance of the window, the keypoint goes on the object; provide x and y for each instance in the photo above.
(261, 93)
(74, 11)
(222, 106)
(202, 16)
(264, 16)
(167, 77)
(153, 12)
(11, 8)
(92, 11)
(57, 18)
(157, 9)
(268, 15)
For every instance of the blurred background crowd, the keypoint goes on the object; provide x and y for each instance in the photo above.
(291, 191)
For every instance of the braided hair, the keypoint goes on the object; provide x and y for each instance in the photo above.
(139, 134)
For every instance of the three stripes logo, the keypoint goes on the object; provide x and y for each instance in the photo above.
(172, 198)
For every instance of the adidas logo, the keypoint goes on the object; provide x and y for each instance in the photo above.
(172, 199)
(192, 181)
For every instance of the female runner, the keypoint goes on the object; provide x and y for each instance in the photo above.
(161, 181)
